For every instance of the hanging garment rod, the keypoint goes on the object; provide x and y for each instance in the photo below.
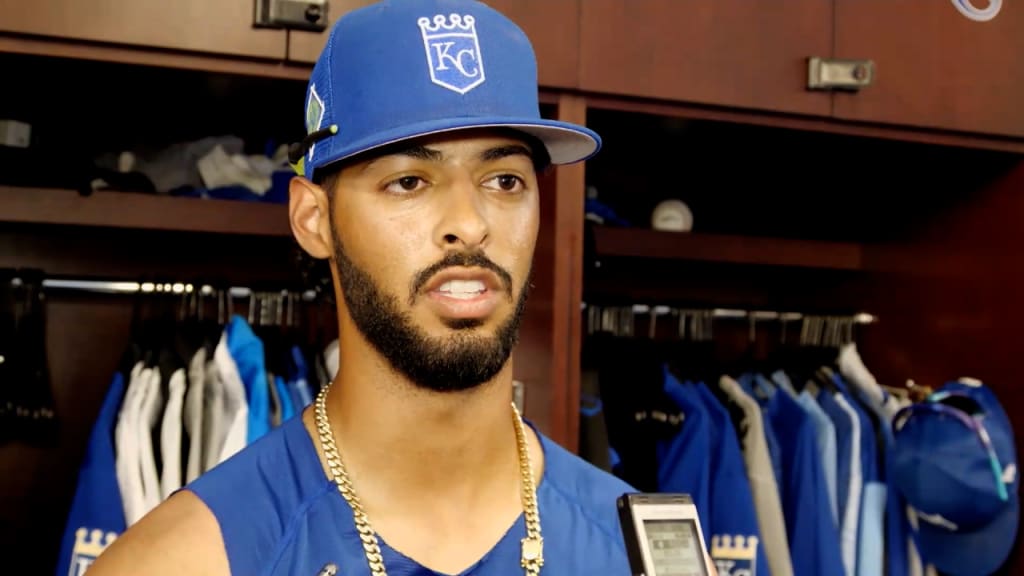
(758, 315)
(129, 287)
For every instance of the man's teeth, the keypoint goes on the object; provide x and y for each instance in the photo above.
(462, 288)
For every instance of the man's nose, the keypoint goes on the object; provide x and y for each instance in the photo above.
(463, 224)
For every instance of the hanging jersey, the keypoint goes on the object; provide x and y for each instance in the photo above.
(287, 408)
(736, 546)
(170, 436)
(279, 514)
(97, 515)
(129, 475)
(763, 484)
(216, 418)
(193, 418)
(247, 351)
(813, 537)
(684, 461)
(235, 413)
(848, 478)
(148, 425)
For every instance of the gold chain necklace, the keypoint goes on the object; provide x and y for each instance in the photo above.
(532, 547)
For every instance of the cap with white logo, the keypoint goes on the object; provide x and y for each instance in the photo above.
(955, 462)
(400, 69)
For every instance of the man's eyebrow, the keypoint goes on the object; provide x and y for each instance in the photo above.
(499, 152)
(418, 152)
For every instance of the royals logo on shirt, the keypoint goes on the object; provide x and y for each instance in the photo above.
(453, 52)
(89, 544)
(734, 555)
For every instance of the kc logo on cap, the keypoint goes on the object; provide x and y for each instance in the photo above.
(453, 52)
(396, 70)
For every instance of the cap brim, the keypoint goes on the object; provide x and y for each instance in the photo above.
(566, 143)
(977, 553)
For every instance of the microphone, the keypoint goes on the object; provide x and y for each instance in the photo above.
(663, 535)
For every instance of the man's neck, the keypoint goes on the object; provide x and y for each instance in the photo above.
(401, 443)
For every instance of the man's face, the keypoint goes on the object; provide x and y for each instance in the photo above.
(433, 245)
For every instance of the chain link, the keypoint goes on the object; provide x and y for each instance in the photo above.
(532, 547)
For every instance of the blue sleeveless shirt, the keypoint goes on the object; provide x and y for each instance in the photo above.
(280, 514)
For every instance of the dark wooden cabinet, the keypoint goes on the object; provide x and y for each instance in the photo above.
(935, 68)
(219, 27)
(552, 25)
(553, 28)
(305, 47)
(733, 53)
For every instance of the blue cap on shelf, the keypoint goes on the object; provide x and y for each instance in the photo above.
(955, 463)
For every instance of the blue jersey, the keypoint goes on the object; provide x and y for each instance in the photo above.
(97, 512)
(280, 514)
(247, 352)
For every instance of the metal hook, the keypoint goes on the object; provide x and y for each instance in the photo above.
(220, 307)
(290, 314)
(280, 308)
(252, 307)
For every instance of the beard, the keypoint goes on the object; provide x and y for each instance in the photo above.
(460, 361)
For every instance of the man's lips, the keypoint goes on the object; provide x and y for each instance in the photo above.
(459, 281)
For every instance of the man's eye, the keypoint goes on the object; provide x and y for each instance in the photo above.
(404, 185)
(505, 183)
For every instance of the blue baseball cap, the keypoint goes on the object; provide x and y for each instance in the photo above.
(955, 463)
(401, 69)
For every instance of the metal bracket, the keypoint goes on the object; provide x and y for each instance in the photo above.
(832, 74)
(291, 14)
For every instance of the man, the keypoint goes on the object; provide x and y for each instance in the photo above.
(420, 189)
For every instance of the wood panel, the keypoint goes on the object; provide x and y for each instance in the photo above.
(142, 212)
(547, 358)
(969, 325)
(935, 67)
(305, 47)
(553, 29)
(223, 27)
(725, 53)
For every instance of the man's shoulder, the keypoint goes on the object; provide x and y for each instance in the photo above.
(256, 494)
(589, 490)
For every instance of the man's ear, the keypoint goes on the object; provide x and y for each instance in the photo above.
(309, 214)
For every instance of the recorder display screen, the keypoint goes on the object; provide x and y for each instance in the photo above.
(674, 548)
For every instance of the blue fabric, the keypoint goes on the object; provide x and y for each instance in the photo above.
(97, 512)
(844, 431)
(897, 524)
(280, 514)
(298, 383)
(813, 537)
(287, 408)
(247, 351)
(871, 527)
(825, 434)
(732, 512)
(684, 463)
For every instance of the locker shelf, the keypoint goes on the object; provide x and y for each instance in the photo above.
(612, 242)
(141, 212)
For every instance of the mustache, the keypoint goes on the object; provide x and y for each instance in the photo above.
(463, 260)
